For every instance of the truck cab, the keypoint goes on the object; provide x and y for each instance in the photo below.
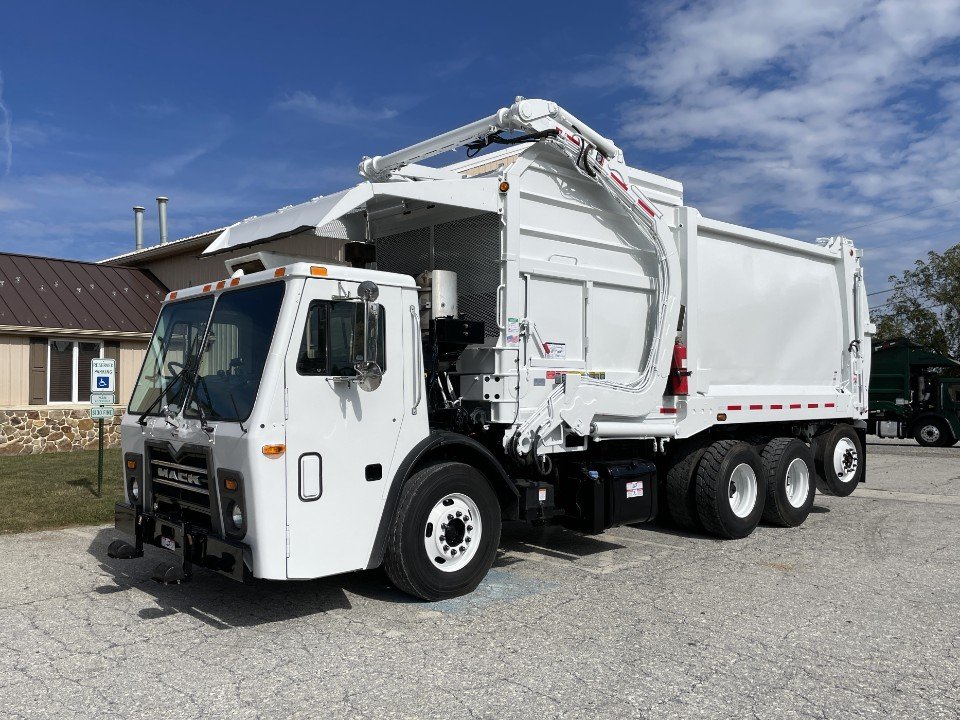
(914, 393)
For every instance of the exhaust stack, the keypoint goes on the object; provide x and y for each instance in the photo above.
(162, 213)
(138, 227)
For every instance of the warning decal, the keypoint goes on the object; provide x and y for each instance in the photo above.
(635, 489)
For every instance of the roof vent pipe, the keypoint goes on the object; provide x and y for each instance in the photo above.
(138, 227)
(162, 212)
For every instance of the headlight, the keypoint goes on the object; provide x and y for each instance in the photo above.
(135, 490)
(236, 516)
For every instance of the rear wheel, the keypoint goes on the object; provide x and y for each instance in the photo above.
(731, 489)
(446, 533)
(791, 487)
(932, 432)
(838, 458)
(681, 484)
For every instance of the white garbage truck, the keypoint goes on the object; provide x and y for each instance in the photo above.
(541, 333)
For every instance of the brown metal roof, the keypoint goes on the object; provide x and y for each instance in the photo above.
(72, 295)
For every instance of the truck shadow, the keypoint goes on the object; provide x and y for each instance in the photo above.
(224, 604)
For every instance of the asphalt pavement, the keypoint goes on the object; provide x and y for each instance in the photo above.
(856, 614)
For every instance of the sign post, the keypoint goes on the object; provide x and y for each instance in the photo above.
(103, 388)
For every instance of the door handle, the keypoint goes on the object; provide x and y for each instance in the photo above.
(417, 352)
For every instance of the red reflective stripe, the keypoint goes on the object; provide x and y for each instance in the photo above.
(795, 406)
(776, 407)
(646, 207)
(619, 181)
(756, 407)
(813, 405)
(829, 405)
(668, 411)
(734, 407)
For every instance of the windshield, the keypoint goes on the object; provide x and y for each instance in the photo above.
(224, 365)
(176, 340)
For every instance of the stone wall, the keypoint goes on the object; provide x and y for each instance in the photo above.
(28, 432)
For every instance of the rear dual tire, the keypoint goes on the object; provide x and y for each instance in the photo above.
(791, 481)
(731, 487)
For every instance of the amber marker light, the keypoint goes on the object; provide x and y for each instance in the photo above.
(234, 282)
(172, 296)
(274, 451)
(222, 284)
(230, 484)
(318, 271)
(206, 288)
(721, 417)
(279, 272)
(132, 464)
(504, 186)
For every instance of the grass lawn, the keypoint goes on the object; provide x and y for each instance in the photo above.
(54, 490)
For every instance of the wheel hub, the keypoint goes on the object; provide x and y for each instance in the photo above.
(452, 532)
(846, 460)
(742, 490)
(797, 482)
(930, 433)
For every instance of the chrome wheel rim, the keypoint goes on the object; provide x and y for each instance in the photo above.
(797, 482)
(742, 490)
(846, 460)
(452, 532)
(930, 433)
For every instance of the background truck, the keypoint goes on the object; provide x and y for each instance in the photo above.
(541, 333)
(914, 392)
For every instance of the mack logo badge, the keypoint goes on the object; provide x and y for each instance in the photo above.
(179, 476)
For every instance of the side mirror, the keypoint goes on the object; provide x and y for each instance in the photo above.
(369, 372)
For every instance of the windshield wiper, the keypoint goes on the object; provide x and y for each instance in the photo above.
(142, 420)
(236, 410)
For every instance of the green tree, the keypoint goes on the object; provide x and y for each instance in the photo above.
(924, 305)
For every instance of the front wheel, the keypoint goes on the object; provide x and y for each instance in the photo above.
(445, 536)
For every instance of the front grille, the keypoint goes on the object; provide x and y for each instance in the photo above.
(180, 485)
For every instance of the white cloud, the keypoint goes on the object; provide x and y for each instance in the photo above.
(6, 144)
(335, 110)
(830, 115)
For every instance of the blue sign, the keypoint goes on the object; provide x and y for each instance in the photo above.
(103, 382)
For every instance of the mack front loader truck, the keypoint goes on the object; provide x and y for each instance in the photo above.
(541, 333)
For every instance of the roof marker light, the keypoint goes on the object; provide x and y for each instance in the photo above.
(279, 272)
(221, 284)
(172, 296)
(206, 288)
(234, 282)
(318, 271)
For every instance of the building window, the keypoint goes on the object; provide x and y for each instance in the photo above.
(68, 369)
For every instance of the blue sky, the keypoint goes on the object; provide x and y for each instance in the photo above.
(798, 117)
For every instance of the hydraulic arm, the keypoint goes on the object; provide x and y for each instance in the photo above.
(598, 158)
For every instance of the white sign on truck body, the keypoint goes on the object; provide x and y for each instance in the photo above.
(103, 374)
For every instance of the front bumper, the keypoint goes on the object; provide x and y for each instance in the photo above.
(190, 545)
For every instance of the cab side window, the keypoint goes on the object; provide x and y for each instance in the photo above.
(332, 341)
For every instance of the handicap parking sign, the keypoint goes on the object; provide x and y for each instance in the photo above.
(103, 374)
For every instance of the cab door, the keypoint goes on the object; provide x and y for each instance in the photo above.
(341, 440)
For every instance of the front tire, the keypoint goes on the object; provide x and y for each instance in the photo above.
(791, 481)
(445, 535)
(838, 458)
(731, 489)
